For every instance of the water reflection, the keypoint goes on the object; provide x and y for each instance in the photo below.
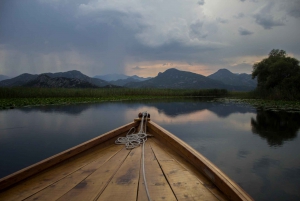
(222, 132)
(276, 127)
(174, 108)
(66, 109)
(169, 107)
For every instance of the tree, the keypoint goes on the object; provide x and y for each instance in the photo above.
(278, 73)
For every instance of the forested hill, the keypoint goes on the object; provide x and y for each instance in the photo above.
(176, 79)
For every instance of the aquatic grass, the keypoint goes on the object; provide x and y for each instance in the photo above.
(273, 105)
(23, 96)
(23, 92)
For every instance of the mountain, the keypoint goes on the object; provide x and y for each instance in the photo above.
(115, 77)
(111, 77)
(46, 81)
(176, 79)
(18, 81)
(140, 78)
(79, 75)
(229, 78)
(3, 77)
(25, 78)
(171, 78)
(122, 82)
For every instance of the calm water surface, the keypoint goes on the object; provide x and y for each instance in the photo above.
(258, 149)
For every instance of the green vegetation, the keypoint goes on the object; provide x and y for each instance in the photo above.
(22, 96)
(278, 87)
(278, 77)
(266, 104)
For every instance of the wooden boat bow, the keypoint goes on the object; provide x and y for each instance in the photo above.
(100, 170)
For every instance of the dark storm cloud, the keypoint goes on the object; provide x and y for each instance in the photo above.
(264, 17)
(221, 20)
(201, 2)
(175, 51)
(244, 32)
(196, 30)
(293, 8)
(26, 25)
(239, 16)
(40, 28)
(101, 37)
(267, 21)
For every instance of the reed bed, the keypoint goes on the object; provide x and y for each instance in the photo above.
(23, 92)
(22, 96)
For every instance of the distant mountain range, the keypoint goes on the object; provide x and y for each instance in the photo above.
(176, 79)
(58, 82)
(3, 77)
(24, 79)
(115, 77)
(229, 78)
(171, 78)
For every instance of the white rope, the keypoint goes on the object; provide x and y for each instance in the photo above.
(134, 140)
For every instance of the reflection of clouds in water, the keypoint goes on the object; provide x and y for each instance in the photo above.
(239, 121)
(291, 177)
(264, 164)
(73, 109)
(160, 117)
(273, 186)
(228, 142)
(243, 153)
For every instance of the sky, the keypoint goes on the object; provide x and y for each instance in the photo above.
(139, 37)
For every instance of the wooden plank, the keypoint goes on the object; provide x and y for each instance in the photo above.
(158, 186)
(61, 187)
(95, 183)
(38, 167)
(45, 178)
(34, 184)
(185, 185)
(223, 182)
(183, 162)
(140, 119)
(123, 185)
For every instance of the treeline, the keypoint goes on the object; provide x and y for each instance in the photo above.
(278, 77)
(24, 92)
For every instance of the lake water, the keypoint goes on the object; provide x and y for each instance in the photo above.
(258, 149)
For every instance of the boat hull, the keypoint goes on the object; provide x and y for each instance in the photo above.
(100, 170)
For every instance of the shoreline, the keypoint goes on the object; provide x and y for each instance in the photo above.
(274, 105)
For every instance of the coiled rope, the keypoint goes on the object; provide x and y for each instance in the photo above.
(134, 140)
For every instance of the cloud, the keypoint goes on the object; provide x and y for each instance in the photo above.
(244, 32)
(221, 20)
(201, 2)
(138, 68)
(197, 30)
(153, 22)
(101, 37)
(167, 64)
(292, 8)
(267, 21)
(264, 17)
(239, 16)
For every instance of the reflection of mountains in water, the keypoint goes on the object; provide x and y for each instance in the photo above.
(185, 107)
(171, 108)
(276, 127)
(63, 109)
